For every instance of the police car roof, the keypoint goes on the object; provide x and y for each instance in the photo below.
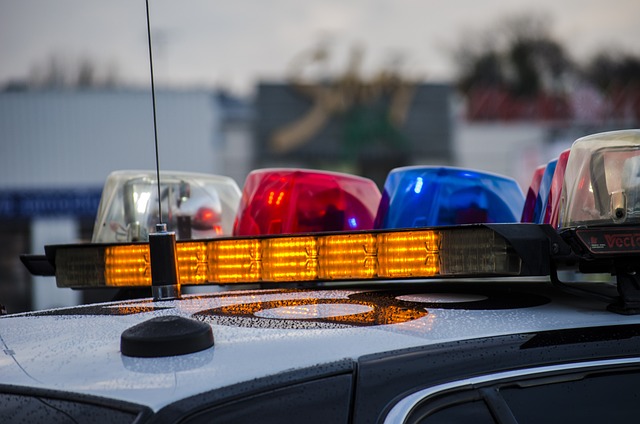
(262, 333)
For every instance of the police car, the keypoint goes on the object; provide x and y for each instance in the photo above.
(449, 297)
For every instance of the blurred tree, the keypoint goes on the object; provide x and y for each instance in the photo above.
(519, 55)
(86, 74)
(52, 73)
(617, 76)
(614, 70)
(485, 70)
(59, 71)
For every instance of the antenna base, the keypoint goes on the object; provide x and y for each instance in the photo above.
(170, 292)
(165, 281)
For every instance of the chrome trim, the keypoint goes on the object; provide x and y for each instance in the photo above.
(403, 408)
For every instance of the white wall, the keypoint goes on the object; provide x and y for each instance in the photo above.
(76, 138)
(515, 150)
(238, 152)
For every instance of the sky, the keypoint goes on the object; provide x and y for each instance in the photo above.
(234, 44)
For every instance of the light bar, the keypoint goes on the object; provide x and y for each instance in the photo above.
(472, 250)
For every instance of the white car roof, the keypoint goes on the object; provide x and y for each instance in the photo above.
(78, 349)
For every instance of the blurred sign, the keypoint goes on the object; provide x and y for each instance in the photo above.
(56, 202)
(291, 126)
(351, 116)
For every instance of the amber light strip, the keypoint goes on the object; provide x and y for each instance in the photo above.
(290, 259)
(408, 254)
(346, 256)
(127, 265)
(233, 261)
(193, 262)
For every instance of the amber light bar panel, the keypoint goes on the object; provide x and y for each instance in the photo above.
(398, 254)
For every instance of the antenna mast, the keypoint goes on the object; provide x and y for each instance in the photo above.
(155, 124)
(165, 281)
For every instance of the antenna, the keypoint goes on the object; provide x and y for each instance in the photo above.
(155, 124)
(165, 281)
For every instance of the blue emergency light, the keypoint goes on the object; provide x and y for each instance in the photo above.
(427, 196)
